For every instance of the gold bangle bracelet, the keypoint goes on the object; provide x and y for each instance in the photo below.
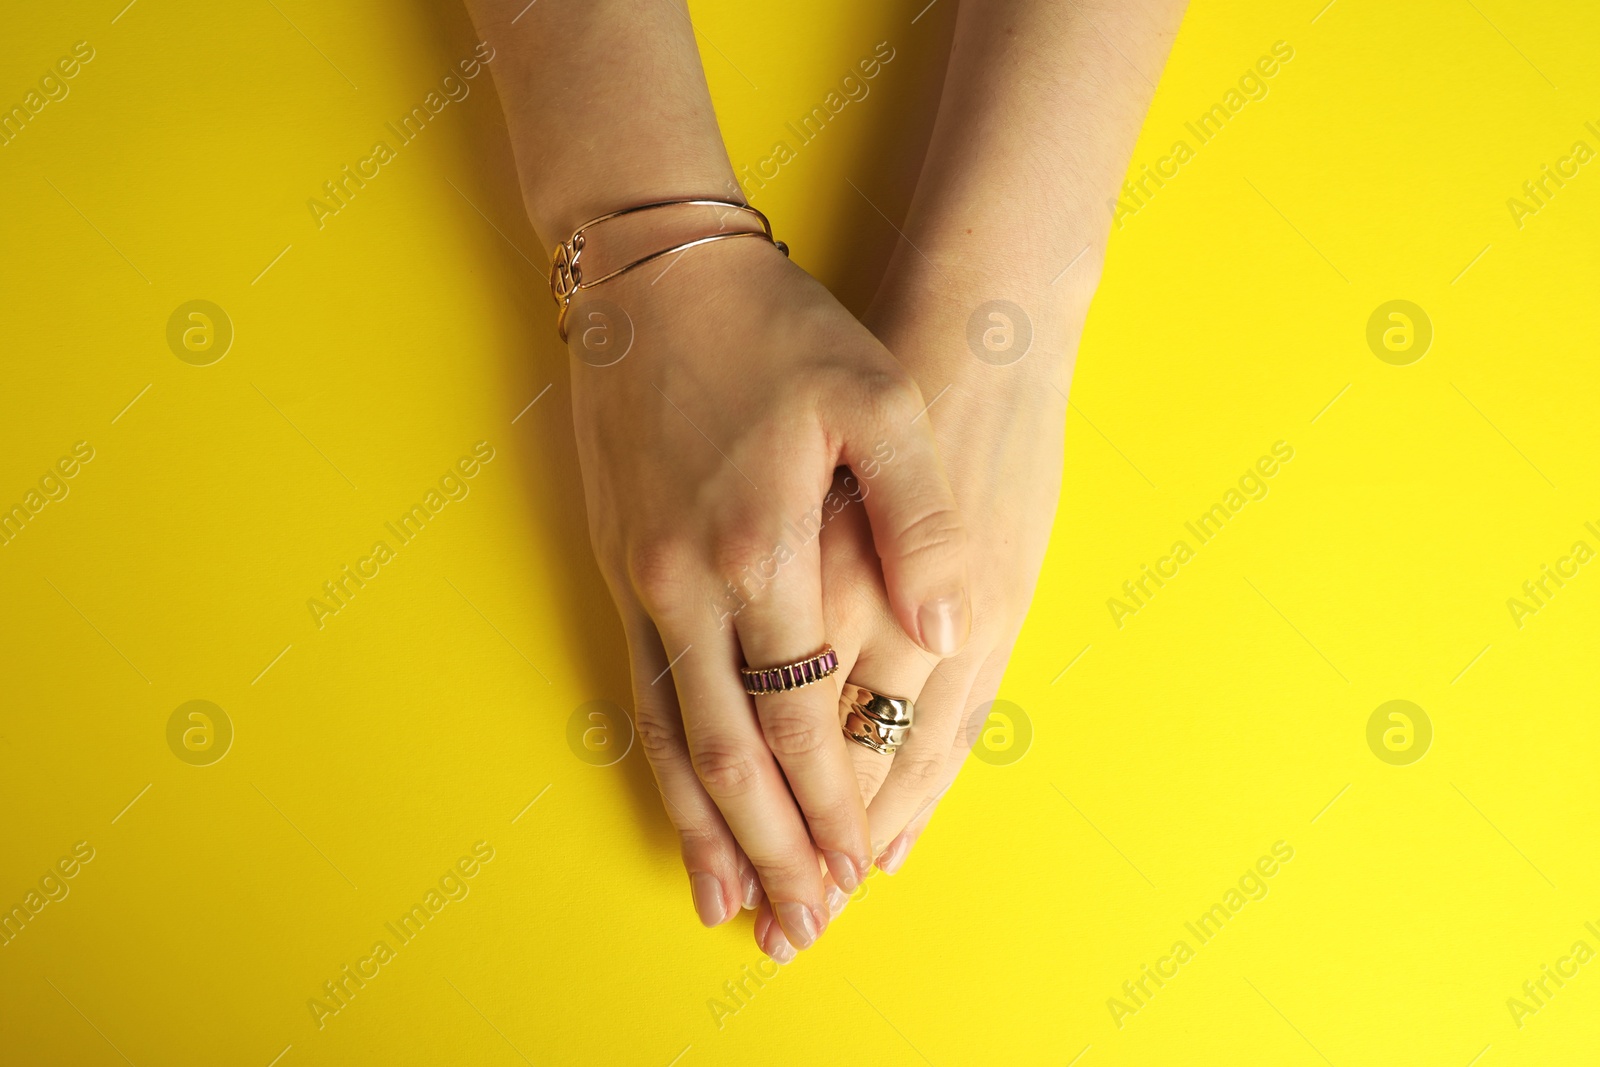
(566, 271)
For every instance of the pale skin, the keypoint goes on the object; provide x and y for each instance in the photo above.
(747, 386)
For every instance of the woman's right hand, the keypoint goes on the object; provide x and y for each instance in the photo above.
(708, 450)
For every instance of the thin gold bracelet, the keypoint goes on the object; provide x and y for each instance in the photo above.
(566, 271)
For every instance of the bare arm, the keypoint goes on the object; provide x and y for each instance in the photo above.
(1042, 104)
(607, 106)
(983, 302)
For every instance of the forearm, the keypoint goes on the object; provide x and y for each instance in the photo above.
(606, 104)
(1042, 104)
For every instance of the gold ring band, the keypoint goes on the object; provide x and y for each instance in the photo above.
(761, 681)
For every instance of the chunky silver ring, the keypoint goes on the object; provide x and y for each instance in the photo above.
(873, 720)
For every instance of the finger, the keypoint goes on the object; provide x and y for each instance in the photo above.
(769, 935)
(871, 767)
(916, 529)
(894, 857)
(837, 898)
(982, 691)
(721, 879)
(738, 771)
(889, 665)
(783, 624)
(918, 771)
(873, 650)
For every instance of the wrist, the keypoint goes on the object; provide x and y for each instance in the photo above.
(558, 207)
(983, 322)
(637, 235)
(689, 294)
(636, 239)
(1034, 255)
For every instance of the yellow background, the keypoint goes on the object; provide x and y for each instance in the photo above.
(1225, 716)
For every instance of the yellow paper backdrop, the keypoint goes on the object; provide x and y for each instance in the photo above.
(1143, 769)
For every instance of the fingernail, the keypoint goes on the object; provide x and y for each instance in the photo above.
(798, 924)
(843, 869)
(895, 854)
(945, 622)
(837, 899)
(708, 903)
(778, 947)
(752, 889)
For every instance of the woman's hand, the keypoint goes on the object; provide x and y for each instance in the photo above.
(708, 445)
(999, 426)
(983, 302)
(708, 450)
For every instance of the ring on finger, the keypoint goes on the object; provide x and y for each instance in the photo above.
(874, 720)
(762, 681)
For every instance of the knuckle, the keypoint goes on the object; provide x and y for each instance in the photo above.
(894, 398)
(660, 570)
(660, 740)
(932, 531)
(918, 775)
(869, 779)
(727, 770)
(790, 732)
(698, 841)
(785, 870)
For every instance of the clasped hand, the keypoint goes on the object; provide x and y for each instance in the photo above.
(763, 479)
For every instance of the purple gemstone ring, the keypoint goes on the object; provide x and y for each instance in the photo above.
(761, 681)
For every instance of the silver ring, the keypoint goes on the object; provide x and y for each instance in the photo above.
(874, 720)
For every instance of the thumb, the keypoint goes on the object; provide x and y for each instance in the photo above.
(919, 536)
